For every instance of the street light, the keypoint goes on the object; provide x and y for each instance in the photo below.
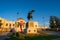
(17, 14)
(43, 22)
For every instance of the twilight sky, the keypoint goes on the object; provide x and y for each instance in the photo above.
(43, 8)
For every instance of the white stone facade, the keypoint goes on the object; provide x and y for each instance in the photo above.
(6, 25)
(32, 27)
(22, 23)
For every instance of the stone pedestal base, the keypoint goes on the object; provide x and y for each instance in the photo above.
(31, 30)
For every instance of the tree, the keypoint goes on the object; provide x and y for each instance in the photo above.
(52, 25)
(57, 22)
(54, 22)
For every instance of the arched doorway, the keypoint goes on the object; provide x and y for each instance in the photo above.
(21, 24)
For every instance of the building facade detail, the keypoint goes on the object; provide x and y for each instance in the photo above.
(20, 25)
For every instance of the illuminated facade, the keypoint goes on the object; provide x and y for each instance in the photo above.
(20, 26)
(32, 27)
(6, 25)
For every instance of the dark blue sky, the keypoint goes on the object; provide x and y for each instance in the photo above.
(43, 8)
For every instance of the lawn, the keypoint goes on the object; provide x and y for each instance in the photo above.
(32, 37)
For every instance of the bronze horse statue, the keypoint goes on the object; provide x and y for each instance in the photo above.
(30, 15)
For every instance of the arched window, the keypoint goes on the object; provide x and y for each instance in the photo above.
(23, 26)
(29, 30)
(13, 24)
(6, 24)
(34, 30)
(35, 25)
(0, 20)
(9, 24)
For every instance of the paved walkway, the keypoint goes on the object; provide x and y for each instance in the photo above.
(57, 39)
(54, 33)
(5, 35)
(48, 32)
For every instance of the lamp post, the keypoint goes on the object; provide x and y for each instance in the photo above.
(17, 14)
(43, 22)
